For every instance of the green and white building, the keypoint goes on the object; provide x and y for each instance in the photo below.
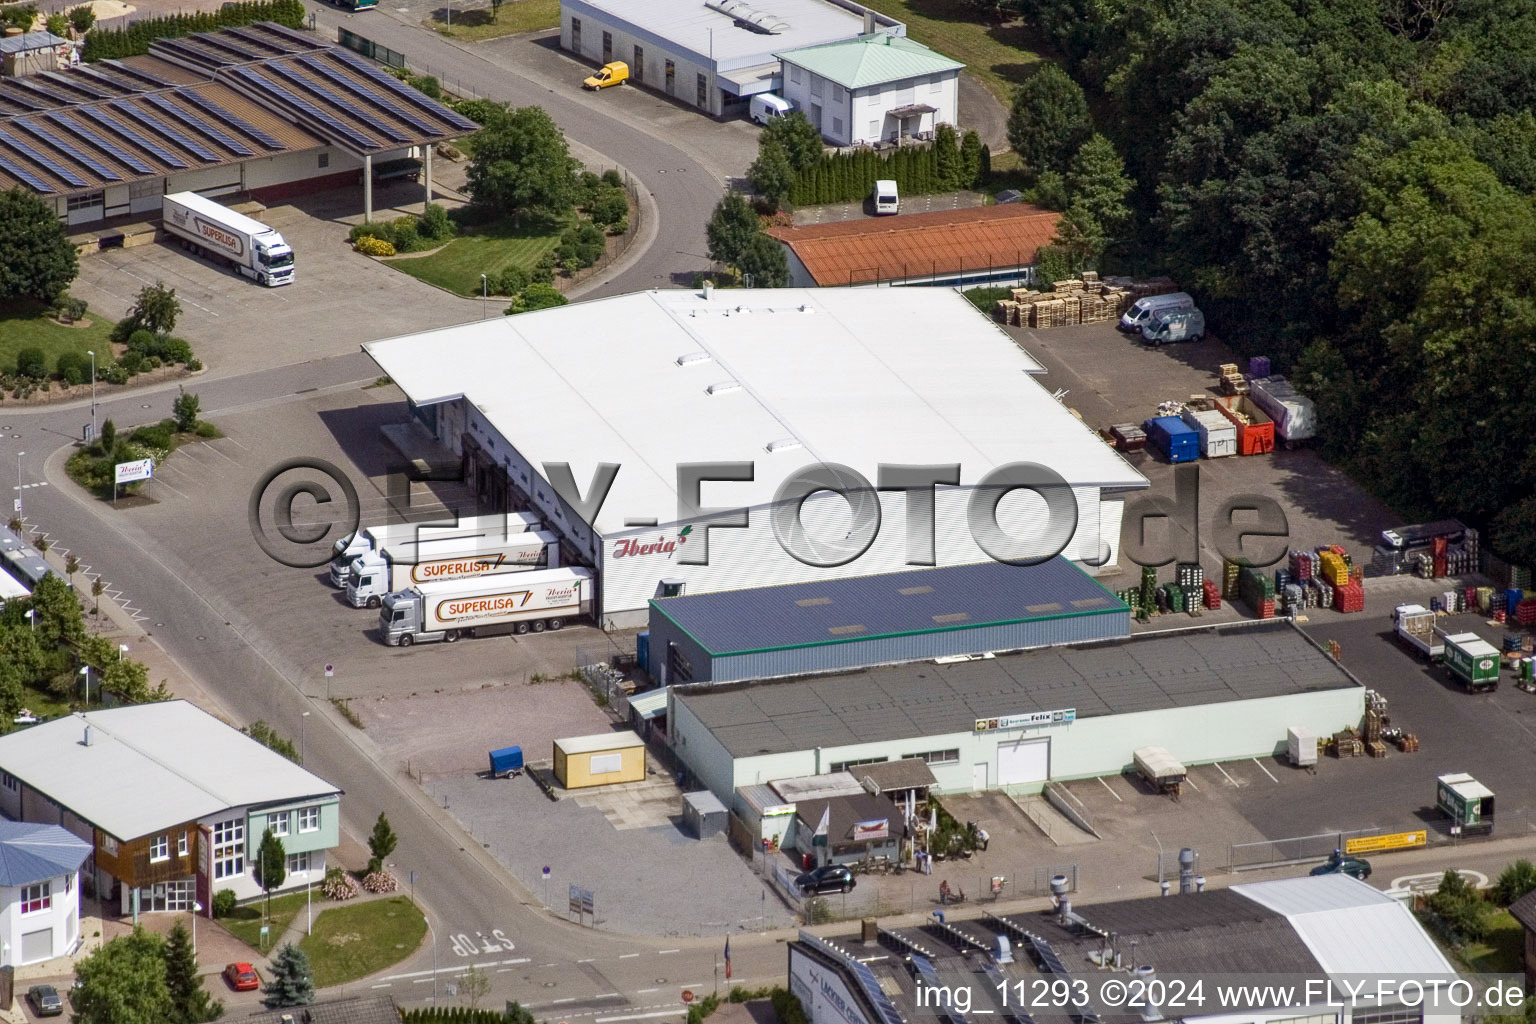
(876, 88)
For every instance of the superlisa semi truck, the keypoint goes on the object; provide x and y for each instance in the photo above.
(372, 539)
(398, 566)
(225, 236)
(486, 606)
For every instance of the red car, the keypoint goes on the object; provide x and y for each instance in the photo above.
(242, 977)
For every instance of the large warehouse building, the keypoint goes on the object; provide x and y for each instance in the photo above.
(825, 625)
(263, 111)
(777, 380)
(711, 54)
(1018, 721)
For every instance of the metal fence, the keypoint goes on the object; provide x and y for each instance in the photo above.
(915, 892)
(1271, 853)
(370, 49)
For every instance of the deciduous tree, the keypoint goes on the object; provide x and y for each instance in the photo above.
(124, 980)
(39, 262)
(799, 139)
(1049, 120)
(731, 228)
(523, 164)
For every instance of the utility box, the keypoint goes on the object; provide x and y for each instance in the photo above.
(600, 760)
(1468, 802)
(1301, 747)
(703, 814)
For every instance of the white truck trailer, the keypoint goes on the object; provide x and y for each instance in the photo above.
(398, 566)
(225, 236)
(375, 538)
(486, 606)
(1293, 412)
(1414, 625)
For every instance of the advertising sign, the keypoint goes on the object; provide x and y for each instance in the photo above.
(138, 469)
(869, 831)
(1024, 721)
(1389, 841)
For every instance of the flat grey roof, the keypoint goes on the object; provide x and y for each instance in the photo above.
(887, 605)
(922, 699)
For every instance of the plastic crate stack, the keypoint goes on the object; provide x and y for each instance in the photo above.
(1351, 596)
(1303, 565)
(1175, 597)
(1258, 590)
(1230, 574)
(1149, 590)
(1512, 598)
(1525, 612)
(1212, 595)
(1295, 597)
(1131, 598)
(1322, 594)
(1191, 578)
(1424, 565)
(1484, 600)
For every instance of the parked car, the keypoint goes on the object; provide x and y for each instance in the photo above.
(1008, 195)
(766, 106)
(45, 1001)
(242, 977)
(886, 198)
(827, 878)
(1174, 325)
(1145, 309)
(1341, 863)
(615, 72)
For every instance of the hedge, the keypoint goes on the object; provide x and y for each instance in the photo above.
(114, 43)
(452, 1015)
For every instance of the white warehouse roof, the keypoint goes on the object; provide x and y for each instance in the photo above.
(858, 376)
(151, 766)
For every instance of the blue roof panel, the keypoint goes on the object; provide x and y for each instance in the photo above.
(866, 607)
(35, 853)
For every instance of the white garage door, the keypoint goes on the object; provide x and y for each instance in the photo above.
(36, 946)
(1027, 761)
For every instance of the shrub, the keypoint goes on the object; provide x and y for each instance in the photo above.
(570, 264)
(194, 365)
(82, 18)
(374, 247)
(71, 367)
(588, 186)
(610, 206)
(20, 17)
(612, 177)
(224, 903)
(58, 24)
(205, 429)
(619, 227)
(157, 436)
(512, 280)
(175, 350)
(480, 111)
(339, 885)
(1514, 882)
(427, 84)
(115, 374)
(142, 341)
(406, 235)
(380, 881)
(132, 362)
(71, 308)
(370, 229)
(434, 222)
(30, 362)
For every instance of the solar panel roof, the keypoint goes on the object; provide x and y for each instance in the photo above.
(115, 151)
(83, 159)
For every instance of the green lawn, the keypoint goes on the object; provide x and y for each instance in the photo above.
(1499, 951)
(245, 923)
(490, 249)
(355, 941)
(476, 23)
(1000, 56)
(26, 325)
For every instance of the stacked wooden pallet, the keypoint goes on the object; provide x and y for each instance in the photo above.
(1408, 743)
(1077, 301)
(1232, 380)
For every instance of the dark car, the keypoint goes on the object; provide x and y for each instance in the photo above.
(1340, 863)
(827, 878)
(45, 1001)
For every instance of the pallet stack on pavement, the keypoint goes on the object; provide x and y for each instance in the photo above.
(1083, 300)
(1212, 595)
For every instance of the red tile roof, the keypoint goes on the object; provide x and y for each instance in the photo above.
(921, 244)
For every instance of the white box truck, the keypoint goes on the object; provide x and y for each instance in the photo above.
(1414, 626)
(223, 235)
(486, 606)
(374, 538)
(397, 566)
(1293, 412)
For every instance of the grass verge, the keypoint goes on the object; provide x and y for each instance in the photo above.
(515, 16)
(245, 923)
(27, 325)
(352, 942)
(985, 299)
(999, 55)
(488, 249)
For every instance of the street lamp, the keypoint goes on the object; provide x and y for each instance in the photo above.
(93, 393)
(18, 481)
(484, 294)
(197, 908)
(85, 670)
(31, 614)
(301, 736)
(122, 649)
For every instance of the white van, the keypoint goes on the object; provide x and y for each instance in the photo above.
(886, 199)
(766, 106)
(1145, 309)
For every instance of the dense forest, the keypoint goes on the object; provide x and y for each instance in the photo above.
(1348, 186)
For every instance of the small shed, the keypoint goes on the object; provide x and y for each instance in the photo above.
(703, 814)
(34, 52)
(599, 760)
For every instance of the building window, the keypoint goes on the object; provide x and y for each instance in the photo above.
(576, 34)
(1389, 1015)
(874, 128)
(837, 127)
(638, 71)
(702, 82)
(951, 756)
(109, 845)
(181, 845)
(325, 159)
(87, 201)
(35, 898)
(309, 819)
(278, 823)
(146, 188)
(607, 47)
(229, 848)
(167, 896)
(69, 883)
(816, 82)
(10, 782)
(936, 83)
(298, 862)
(159, 848)
(837, 94)
(794, 74)
(842, 766)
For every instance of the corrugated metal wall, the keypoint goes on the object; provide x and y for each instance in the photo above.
(665, 636)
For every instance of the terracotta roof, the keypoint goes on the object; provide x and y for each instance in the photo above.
(921, 244)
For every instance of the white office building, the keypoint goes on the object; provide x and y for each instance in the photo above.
(876, 88)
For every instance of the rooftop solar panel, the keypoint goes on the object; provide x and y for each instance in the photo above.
(220, 41)
(346, 131)
(155, 150)
(96, 167)
(137, 74)
(271, 47)
(48, 163)
(31, 88)
(101, 73)
(20, 173)
(218, 135)
(405, 92)
(340, 103)
(78, 83)
(21, 100)
(287, 35)
(240, 124)
(331, 74)
(181, 139)
(111, 149)
(190, 50)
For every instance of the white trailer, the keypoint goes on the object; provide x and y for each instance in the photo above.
(486, 606)
(223, 235)
(375, 538)
(12, 589)
(1293, 412)
(402, 565)
(1414, 625)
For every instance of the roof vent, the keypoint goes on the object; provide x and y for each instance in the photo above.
(693, 358)
(806, 308)
(724, 386)
(784, 444)
(749, 17)
(90, 737)
(709, 289)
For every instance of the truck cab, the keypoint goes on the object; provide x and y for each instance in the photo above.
(400, 619)
(367, 580)
(274, 260)
(346, 551)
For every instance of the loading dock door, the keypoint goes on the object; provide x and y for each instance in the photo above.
(1023, 762)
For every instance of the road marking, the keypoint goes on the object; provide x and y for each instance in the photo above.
(385, 985)
(645, 991)
(567, 999)
(587, 960)
(1265, 770)
(1190, 778)
(423, 981)
(1110, 788)
(1224, 772)
(488, 963)
(665, 951)
(502, 970)
(24, 487)
(626, 956)
(635, 1016)
(519, 960)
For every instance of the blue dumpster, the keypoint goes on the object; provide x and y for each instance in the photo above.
(506, 762)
